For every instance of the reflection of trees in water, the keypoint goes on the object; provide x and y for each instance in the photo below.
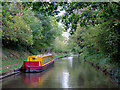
(80, 75)
(80, 80)
(75, 63)
(84, 75)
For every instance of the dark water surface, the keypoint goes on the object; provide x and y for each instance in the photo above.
(69, 72)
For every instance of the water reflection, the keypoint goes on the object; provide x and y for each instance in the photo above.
(36, 79)
(69, 72)
(33, 79)
(65, 80)
(70, 61)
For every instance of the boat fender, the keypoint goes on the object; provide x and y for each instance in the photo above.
(28, 67)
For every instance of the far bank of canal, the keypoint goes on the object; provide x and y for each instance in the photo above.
(68, 72)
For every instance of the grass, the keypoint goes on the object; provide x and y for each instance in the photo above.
(10, 61)
(60, 55)
(11, 68)
(15, 60)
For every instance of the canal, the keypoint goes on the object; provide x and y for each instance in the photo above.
(68, 72)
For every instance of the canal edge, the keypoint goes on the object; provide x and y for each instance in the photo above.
(13, 72)
(104, 71)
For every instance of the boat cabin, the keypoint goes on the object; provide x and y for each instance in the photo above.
(42, 59)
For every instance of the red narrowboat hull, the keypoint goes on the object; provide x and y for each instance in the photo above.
(33, 66)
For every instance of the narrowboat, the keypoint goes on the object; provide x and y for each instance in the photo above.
(37, 63)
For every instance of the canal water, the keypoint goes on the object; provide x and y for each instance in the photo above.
(68, 72)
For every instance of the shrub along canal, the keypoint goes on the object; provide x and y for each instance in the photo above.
(68, 72)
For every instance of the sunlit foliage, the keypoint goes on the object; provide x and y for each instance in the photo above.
(22, 26)
(15, 29)
(94, 26)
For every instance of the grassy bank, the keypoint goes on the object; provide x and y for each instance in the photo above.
(11, 68)
(60, 55)
(12, 63)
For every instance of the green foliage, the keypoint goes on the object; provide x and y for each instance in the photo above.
(97, 42)
(95, 35)
(94, 27)
(60, 45)
(89, 13)
(46, 8)
(15, 29)
(22, 31)
(35, 31)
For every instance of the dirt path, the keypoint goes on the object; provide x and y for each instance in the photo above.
(9, 65)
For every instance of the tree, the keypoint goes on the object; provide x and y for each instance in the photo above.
(14, 28)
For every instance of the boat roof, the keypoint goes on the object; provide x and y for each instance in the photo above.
(42, 55)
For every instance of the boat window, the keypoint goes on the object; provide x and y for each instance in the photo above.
(44, 60)
(48, 59)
